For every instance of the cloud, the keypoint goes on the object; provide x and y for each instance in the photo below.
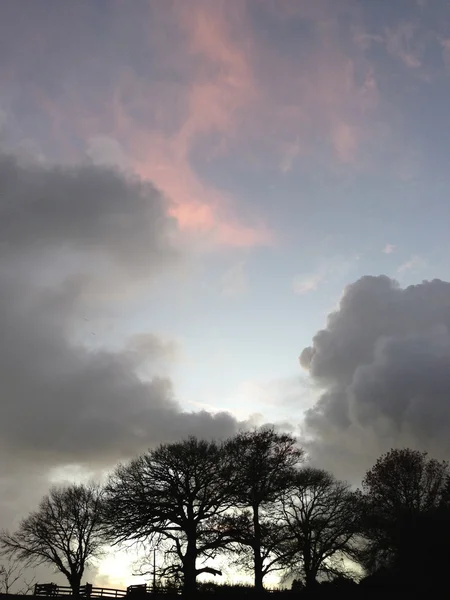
(153, 347)
(414, 263)
(196, 120)
(163, 98)
(389, 249)
(331, 270)
(310, 283)
(318, 87)
(189, 90)
(381, 367)
(104, 150)
(68, 234)
(84, 210)
(402, 42)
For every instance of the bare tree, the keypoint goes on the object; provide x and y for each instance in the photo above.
(322, 520)
(271, 547)
(173, 495)
(13, 579)
(64, 532)
(264, 467)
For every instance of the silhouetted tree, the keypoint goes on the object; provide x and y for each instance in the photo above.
(64, 532)
(13, 579)
(271, 549)
(297, 585)
(174, 494)
(406, 515)
(322, 520)
(264, 467)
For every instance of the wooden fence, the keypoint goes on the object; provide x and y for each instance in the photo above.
(89, 591)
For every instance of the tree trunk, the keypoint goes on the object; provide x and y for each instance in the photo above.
(310, 578)
(189, 568)
(75, 582)
(257, 550)
(308, 565)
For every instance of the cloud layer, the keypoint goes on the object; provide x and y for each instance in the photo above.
(382, 368)
(66, 233)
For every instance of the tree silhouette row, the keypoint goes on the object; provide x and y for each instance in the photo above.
(254, 502)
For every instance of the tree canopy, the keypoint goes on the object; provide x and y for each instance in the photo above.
(264, 464)
(322, 519)
(173, 495)
(406, 515)
(65, 532)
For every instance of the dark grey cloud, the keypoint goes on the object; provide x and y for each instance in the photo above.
(61, 401)
(85, 209)
(382, 366)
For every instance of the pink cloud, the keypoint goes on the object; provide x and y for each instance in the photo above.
(318, 96)
(245, 96)
(196, 207)
(218, 88)
(187, 109)
(220, 85)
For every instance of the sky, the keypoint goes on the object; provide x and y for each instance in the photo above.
(215, 215)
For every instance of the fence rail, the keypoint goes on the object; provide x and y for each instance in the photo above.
(88, 591)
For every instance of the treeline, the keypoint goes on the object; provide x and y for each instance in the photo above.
(252, 502)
